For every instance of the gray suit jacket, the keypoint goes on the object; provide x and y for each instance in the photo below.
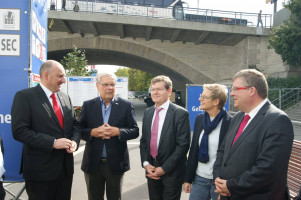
(255, 167)
(174, 140)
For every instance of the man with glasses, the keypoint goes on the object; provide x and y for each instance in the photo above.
(252, 162)
(164, 143)
(107, 123)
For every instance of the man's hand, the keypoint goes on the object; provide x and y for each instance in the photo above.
(221, 187)
(99, 132)
(187, 187)
(111, 131)
(159, 171)
(105, 131)
(150, 172)
(73, 147)
(62, 143)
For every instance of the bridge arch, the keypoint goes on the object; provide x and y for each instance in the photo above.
(115, 51)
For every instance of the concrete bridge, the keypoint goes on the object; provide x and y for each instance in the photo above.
(188, 52)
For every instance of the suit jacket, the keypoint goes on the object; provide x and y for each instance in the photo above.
(34, 123)
(255, 167)
(192, 162)
(174, 140)
(122, 116)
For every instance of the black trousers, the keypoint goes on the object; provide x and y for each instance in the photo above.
(2, 191)
(103, 179)
(59, 189)
(169, 187)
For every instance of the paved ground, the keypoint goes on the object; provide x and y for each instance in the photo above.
(134, 186)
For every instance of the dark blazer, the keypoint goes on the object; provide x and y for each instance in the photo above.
(255, 167)
(122, 116)
(35, 124)
(174, 140)
(192, 162)
(2, 151)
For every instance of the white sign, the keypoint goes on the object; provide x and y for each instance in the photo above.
(9, 45)
(10, 19)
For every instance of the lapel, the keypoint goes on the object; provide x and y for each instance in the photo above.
(98, 115)
(166, 123)
(46, 104)
(148, 119)
(248, 130)
(114, 111)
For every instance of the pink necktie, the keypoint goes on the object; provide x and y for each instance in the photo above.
(241, 127)
(57, 110)
(154, 136)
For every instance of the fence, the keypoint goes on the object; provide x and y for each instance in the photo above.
(151, 11)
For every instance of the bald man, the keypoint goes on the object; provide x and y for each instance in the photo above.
(44, 121)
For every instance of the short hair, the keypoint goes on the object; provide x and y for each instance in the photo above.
(102, 74)
(165, 79)
(255, 79)
(218, 91)
(47, 65)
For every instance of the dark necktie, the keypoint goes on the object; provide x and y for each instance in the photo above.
(57, 110)
(154, 135)
(241, 127)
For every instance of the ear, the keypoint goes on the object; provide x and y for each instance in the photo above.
(252, 91)
(46, 75)
(216, 102)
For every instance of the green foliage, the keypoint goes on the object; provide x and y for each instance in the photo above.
(277, 83)
(286, 39)
(138, 80)
(75, 63)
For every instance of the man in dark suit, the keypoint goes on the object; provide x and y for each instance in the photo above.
(252, 163)
(44, 121)
(107, 123)
(164, 143)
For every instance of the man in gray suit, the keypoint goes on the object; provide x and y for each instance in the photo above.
(252, 163)
(164, 143)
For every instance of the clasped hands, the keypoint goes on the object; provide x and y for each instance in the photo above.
(105, 131)
(221, 187)
(64, 143)
(154, 172)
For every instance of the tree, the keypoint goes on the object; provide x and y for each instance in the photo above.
(138, 80)
(75, 63)
(286, 39)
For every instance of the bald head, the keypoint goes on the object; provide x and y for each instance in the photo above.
(52, 75)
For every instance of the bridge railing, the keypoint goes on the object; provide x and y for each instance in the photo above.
(177, 13)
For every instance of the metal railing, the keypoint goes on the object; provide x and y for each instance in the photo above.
(287, 97)
(177, 13)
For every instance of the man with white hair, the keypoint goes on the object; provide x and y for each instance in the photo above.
(107, 123)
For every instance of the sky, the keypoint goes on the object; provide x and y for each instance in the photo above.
(248, 6)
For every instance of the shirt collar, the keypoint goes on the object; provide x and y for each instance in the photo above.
(164, 105)
(46, 90)
(255, 110)
(114, 99)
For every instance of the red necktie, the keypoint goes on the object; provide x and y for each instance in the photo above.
(241, 127)
(154, 136)
(57, 110)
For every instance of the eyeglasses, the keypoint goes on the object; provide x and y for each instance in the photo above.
(158, 89)
(202, 97)
(107, 85)
(240, 88)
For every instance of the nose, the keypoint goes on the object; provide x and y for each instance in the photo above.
(64, 79)
(232, 93)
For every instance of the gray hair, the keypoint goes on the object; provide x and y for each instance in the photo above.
(218, 91)
(102, 74)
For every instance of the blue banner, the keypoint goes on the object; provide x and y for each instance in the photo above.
(193, 103)
(15, 41)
